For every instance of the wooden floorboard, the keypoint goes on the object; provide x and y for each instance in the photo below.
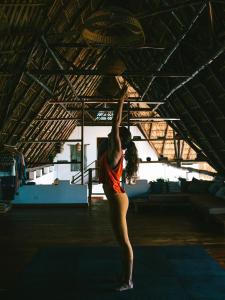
(23, 231)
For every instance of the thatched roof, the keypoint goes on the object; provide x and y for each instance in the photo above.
(45, 58)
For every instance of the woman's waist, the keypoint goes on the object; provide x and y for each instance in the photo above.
(111, 181)
(113, 188)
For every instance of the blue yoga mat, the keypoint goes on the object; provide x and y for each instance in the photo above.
(160, 273)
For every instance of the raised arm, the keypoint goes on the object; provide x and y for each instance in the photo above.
(114, 152)
(117, 118)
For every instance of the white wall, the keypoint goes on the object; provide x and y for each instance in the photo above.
(45, 179)
(151, 171)
(91, 133)
(154, 171)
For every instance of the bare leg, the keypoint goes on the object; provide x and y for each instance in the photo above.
(118, 209)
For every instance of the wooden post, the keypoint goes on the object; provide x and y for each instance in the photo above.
(89, 186)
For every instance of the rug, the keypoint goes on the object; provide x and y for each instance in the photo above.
(90, 273)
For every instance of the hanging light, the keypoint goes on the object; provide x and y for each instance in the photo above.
(78, 147)
(113, 26)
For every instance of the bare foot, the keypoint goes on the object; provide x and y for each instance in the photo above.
(125, 286)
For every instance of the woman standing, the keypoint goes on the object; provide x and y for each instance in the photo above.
(110, 172)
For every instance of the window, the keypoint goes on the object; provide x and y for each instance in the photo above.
(75, 157)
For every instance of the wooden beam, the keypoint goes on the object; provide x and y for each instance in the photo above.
(89, 109)
(195, 73)
(97, 46)
(26, 4)
(204, 133)
(164, 139)
(85, 72)
(175, 47)
(14, 83)
(52, 163)
(168, 9)
(156, 139)
(132, 119)
(78, 140)
(144, 119)
(47, 141)
(99, 100)
(12, 51)
(38, 81)
(111, 98)
(142, 162)
(218, 132)
(61, 68)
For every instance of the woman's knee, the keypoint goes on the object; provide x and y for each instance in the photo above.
(121, 234)
(127, 250)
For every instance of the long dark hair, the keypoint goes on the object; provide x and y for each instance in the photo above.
(131, 154)
(102, 147)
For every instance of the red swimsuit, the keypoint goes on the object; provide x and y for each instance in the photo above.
(111, 176)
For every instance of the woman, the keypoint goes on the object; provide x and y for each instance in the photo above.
(110, 171)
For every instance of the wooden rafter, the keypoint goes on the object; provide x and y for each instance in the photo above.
(205, 135)
(174, 48)
(164, 139)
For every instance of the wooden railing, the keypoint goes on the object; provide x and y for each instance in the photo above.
(87, 172)
(78, 176)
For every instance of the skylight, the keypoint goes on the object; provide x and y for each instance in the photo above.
(104, 115)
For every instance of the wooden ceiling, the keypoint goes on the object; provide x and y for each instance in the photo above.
(48, 72)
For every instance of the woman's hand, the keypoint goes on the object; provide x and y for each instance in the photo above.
(124, 92)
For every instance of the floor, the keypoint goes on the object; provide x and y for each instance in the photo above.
(23, 231)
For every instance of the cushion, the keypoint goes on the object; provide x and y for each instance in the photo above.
(215, 186)
(158, 187)
(198, 186)
(174, 187)
(221, 192)
(184, 184)
(140, 189)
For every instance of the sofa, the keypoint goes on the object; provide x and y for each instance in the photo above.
(206, 198)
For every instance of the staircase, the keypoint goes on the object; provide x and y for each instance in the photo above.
(91, 180)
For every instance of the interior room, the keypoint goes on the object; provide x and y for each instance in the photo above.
(82, 85)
